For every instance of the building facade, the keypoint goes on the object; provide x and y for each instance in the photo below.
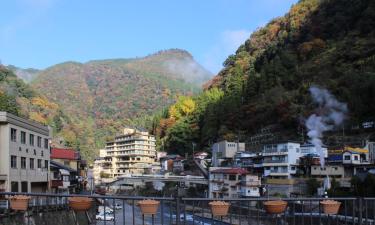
(225, 151)
(25, 154)
(133, 152)
(227, 182)
(281, 160)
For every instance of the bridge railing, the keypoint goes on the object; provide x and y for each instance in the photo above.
(124, 210)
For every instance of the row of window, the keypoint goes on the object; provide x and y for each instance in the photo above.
(13, 137)
(13, 163)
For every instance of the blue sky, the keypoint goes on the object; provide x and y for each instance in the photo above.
(40, 33)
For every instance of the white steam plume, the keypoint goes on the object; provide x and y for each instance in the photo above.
(332, 114)
(158, 185)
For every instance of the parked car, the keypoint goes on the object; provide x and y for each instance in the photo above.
(107, 217)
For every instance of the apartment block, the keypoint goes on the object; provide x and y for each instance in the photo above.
(24, 153)
(227, 182)
(133, 152)
(281, 160)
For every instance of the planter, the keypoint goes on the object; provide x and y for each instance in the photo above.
(219, 208)
(330, 207)
(19, 202)
(79, 204)
(275, 207)
(149, 207)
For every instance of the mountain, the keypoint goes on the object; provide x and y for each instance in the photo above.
(100, 97)
(27, 75)
(262, 94)
(20, 99)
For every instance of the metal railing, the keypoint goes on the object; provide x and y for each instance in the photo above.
(124, 210)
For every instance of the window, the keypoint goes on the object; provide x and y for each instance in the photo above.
(13, 134)
(13, 161)
(39, 163)
(347, 157)
(293, 168)
(14, 186)
(232, 177)
(39, 142)
(46, 164)
(24, 186)
(42, 153)
(23, 162)
(45, 143)
(31, 141)
(31, 163)
(356, 157)
(34, 152)
(23, 137)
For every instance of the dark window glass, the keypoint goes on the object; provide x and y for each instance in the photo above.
(13, 161)
(23, 163)
(39, 163)
(13, 134)
(31, 163)
(23, 137)
(39, 142)
(31, 141)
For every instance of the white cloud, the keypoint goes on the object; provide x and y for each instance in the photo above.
(227, 44)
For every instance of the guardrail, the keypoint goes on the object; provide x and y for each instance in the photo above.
(124, 210)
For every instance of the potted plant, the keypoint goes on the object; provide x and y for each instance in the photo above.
(19, 202)
(80, 203)
(149, 207)
(219, 208)
(330, 206)
(275, 206)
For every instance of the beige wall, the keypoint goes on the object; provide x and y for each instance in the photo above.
(34, 177)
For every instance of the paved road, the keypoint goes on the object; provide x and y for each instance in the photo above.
(126, 214)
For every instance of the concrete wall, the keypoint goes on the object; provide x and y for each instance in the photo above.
(63, 217)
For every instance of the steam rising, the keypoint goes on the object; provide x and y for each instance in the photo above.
(331, 115)
(189, 69)
(158, 185)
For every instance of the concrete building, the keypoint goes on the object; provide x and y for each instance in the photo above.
(331, 170)
(281, 160)
(309, 149)
(100, 166)
(24, 154)
(133, 152)
(224, 152)
(227, 182)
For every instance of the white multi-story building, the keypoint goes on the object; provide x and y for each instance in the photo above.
(24, 154)
(281, 160)
(225, 150)
(133, 152)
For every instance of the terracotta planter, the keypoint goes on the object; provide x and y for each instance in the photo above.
(219, 208)
(79, 204)
(149, 207)
(19, 202)
(275, 207)
(330, 207)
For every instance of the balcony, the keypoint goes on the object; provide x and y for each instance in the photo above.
(191, 211)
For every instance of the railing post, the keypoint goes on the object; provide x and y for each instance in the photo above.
(178, 202)
(360, 209)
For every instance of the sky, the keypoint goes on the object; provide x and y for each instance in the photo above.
(41, 33)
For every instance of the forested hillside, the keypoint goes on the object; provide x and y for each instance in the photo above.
(18, 98)
(102, 96)
(327, 43)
